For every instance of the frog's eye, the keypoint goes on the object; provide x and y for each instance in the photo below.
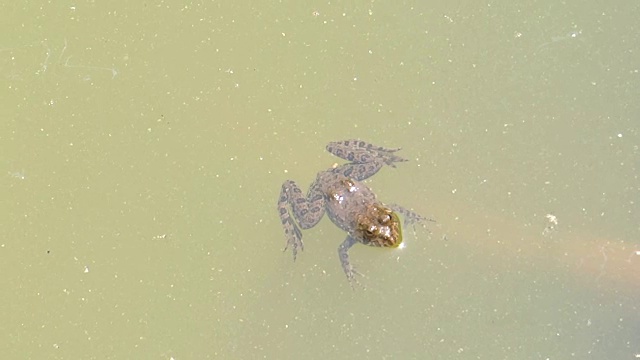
(384, 219)
(370, 231)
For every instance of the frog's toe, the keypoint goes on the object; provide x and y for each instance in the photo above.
(351, 273)
(391, 160)
(294, 243)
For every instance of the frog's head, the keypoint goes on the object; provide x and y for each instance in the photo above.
(379, 226)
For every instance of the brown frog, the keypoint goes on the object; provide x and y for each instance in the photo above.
(350, 204)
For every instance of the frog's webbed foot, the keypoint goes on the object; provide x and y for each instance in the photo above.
(351, 273)
(388, 156)
(411, 218)
(351, 276)
(294, 240)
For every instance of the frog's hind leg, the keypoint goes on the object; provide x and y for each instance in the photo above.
(306, 211)
(360, 171)
(291, 229)
(361, 152)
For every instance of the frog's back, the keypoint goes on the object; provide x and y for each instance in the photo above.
(345, 198)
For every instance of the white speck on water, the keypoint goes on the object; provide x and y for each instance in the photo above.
(18, 174)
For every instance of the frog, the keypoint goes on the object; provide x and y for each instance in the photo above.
(350, 204)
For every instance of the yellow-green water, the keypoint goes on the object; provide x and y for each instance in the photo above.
(143, 145)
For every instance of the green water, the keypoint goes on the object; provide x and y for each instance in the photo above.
(143, 146)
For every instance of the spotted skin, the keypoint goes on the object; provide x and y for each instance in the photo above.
(350, 204)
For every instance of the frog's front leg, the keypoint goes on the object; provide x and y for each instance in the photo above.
(410, 217)
(343, 252)
(307, 212)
